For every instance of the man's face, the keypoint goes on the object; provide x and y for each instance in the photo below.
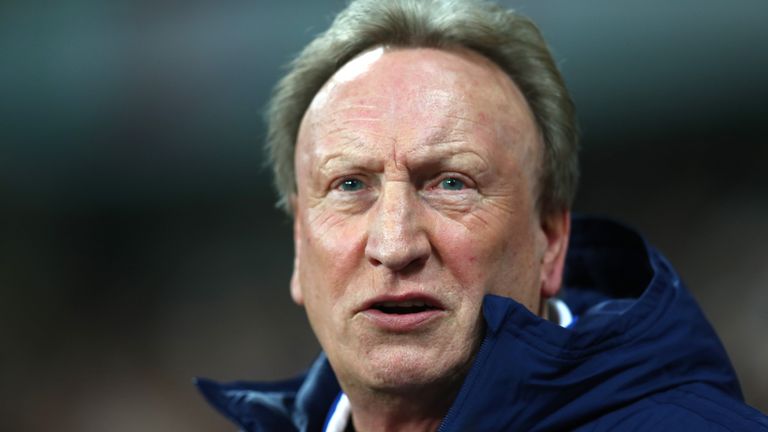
(417, 182)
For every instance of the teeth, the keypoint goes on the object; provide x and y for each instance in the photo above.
(403, 304)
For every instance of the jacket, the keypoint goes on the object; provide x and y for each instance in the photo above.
(641, 356)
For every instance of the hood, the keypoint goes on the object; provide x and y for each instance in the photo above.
(638, 332)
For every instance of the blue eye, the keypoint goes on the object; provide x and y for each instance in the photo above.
(451, 183)
(351, 185)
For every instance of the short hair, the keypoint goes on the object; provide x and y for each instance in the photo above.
(510, 40)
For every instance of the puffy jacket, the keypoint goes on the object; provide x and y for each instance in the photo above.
(641, 356)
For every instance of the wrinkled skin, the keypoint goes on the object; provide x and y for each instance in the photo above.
(417, 174)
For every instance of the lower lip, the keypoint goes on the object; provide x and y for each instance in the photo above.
(401, 323)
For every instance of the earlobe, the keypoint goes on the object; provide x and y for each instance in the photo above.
(296, 293)
(557, 228)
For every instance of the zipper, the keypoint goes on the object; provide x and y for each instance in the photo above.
(453, 411)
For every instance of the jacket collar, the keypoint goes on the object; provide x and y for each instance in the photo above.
(297, 404)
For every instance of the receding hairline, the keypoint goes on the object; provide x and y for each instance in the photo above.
(503, 111)
(506, 38)
(471, 56)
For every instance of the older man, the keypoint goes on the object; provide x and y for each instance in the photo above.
(427, 153)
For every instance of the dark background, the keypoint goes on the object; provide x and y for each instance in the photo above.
(139, 244)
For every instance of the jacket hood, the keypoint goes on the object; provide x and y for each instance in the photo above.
(638, 332)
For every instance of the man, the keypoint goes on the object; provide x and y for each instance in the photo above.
(427, 153)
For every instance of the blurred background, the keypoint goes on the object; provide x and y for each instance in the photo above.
(139, 243)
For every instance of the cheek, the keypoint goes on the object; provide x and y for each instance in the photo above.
(332, 250)
(517, 274)
(488, 258)
(466, 254)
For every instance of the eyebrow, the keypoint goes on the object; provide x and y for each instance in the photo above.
(342, 157)
(447, 156)
(343, 161)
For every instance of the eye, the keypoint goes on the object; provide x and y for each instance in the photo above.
(452, 183)
(351, 185)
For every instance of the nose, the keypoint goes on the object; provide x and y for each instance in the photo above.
(397, 237)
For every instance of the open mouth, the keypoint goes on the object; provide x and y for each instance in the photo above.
(403, 313)
(403, 307)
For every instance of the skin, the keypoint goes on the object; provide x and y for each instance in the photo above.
(417, 174)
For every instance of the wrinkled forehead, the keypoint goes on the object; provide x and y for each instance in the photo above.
(416, 82)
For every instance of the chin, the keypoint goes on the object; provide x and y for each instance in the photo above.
(405, 369)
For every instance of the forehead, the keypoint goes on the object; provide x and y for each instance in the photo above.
(415, 96)
(444, 76)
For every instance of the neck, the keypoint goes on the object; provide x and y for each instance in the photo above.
(415, 410)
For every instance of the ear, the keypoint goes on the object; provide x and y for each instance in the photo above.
(296, 293)
(556, 227)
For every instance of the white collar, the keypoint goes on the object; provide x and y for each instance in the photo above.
(339, 415)
(565, 317)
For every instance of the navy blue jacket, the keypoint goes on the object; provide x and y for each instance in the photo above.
(641, 356)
